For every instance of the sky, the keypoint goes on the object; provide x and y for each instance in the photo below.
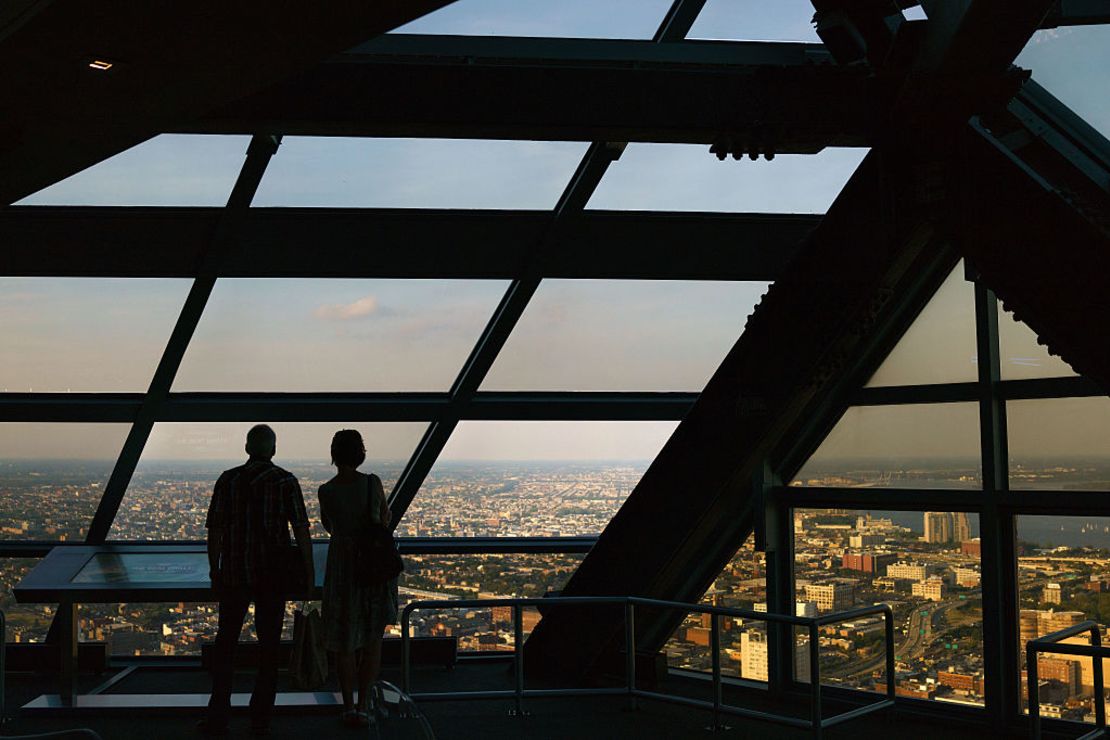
(107, 335)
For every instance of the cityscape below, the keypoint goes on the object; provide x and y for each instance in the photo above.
(926, 565)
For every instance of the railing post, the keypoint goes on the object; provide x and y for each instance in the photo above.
(518, 655)
(888, 615)
(814, 676)
(1031, 690)
(630, 651)
(1100, 696)
(715, 646)
(406, 669)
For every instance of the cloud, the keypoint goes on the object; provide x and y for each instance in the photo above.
(365, 306)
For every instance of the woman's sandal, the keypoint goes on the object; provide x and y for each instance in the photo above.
(349, 717)
(362, 719)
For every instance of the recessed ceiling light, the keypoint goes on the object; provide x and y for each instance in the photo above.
(101, 64)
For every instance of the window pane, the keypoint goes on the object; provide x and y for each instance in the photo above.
(634, 19)
(926, 566)
(418, 173)
(939, 346)
(168, 170)
(741, 585)
(533, 479)
(1063, 579)
(1071, 63)
(336, 335)
(52, 477)
(687, 177)
(26, 622)
(169, 494)
(918, 446)
(478, 577)
(756, 20)
(595, 335)
(1022, 356)
(1059, 443)
(85, 334)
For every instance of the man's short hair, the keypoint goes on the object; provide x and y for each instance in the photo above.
(347, 448)
(261, 441)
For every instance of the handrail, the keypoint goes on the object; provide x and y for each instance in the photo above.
(1050, 644)
(816, 722)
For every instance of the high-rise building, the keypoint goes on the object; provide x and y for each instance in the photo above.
(961, 530)
(938, 527)
(1052, 594)
(931, 589)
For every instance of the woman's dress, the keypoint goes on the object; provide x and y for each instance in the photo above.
(353, 614)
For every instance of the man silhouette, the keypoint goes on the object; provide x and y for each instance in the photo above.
(249, 559)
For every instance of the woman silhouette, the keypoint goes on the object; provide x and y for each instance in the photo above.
(354, 615)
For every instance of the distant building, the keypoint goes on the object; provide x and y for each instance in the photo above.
(866, 562)
(908, 570)
(972, 547)
(865, 540)
(801, 608)
(938, 527)
(970, 683)
(753, 657)
(932, 589)
(1034, 623)
(831, 596)
(1052, 594)
(1066, 672)
(967, 577)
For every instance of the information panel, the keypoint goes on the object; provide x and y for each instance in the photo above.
(121, 569)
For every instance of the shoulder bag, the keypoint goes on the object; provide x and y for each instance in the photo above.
(377, 560)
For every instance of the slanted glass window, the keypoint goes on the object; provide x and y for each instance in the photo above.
(756, 20)
(1064, 578)
(1071, 63)
(172, 487)
(533, 478)
(52, 477)
(908, 446)
(336, 335)
(741, 585)
(1059, 443)
(926, 565)
(1022, 356)
(939, 346)
(596, 335)
(84, 334)
(444, 577)
(418, 173)
(168, 170)
(26, 622)
(687, 177)
(633, 19)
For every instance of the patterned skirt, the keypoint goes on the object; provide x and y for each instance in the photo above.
(353, 614)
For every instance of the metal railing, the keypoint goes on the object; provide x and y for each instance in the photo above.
(816, 722)
(1050, 643)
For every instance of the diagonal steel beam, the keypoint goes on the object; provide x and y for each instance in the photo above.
(261, 149)
(595, 163)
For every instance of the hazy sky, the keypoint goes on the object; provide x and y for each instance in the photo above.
(103, 335)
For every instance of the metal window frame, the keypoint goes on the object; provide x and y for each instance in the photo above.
(995, 503)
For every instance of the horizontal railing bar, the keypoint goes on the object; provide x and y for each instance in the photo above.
(1060, 648)
(641, 601)
(857, 712)
(1075, 629)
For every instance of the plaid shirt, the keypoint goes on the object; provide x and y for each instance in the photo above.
(253, 506)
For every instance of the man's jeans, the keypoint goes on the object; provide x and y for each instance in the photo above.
(269, 611)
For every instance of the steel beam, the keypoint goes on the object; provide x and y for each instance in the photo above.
(408, 243)
(261, 149)
(568, 89)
